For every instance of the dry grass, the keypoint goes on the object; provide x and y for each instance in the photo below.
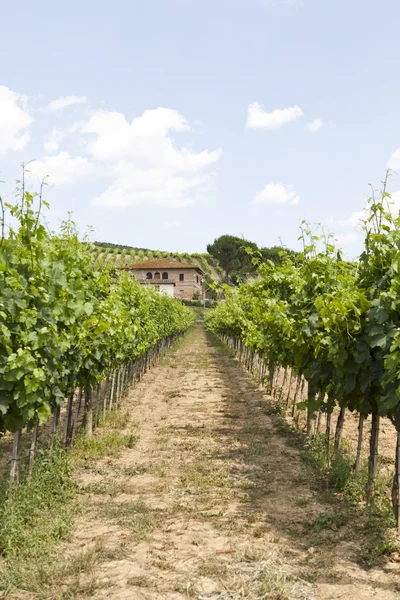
(140, 581)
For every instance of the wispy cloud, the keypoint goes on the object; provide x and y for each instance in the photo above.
(258, 118)
(65, 102)
(314, 126)
(277, 193)
(355, 219)
(394, 160)
(345, 239)
(52, 141)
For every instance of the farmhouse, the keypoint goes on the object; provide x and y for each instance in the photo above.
(170, 277)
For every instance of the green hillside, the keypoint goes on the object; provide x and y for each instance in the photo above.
(114, 255)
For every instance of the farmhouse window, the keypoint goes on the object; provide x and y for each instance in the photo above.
(181, 277)
(149, 275)
(165, 275)
(157, 275)
(197, 279)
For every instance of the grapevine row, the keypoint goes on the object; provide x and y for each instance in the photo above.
(333, 324)
(65, 322)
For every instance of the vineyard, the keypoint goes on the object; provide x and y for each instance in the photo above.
(72, 336)
(118, 256)
(329, 330)
(140, 460)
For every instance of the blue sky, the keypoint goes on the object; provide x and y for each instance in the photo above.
(165, 123)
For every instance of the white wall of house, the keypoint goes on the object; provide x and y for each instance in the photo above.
(166, 289)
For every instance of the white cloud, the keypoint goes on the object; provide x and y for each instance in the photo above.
(277, 193)
(258, 118)
(394, 203)
(63, 169)
(141, 159)
(394, 160)
(65, 102)
(147, 166)
(354, 219)
(314, 126)
(52, 141)
(14, 120)
(345, 239)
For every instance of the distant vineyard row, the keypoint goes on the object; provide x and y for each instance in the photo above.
(116, 256)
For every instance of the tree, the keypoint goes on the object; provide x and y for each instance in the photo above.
(277, 254)
(231, 253)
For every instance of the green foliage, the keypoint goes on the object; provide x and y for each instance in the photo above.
(277, 254)
(108, 443)
(333, 322)
(120, 247)
(381, 541)
(208, 303)
(37, 513)
(64, 322)
(122, 257)
(187, 257)
(238, 258)
(336, 323)
(377, 521)
(338, 470)
(230, 251)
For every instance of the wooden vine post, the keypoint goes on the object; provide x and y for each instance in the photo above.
(339, 429)
(98, 401)
(285, 374)
(311, 416)
(328, 436)
(373, 456)
(15, 457)
(32, 448)
(357, 464)
(396, 485)
(298, 384)
(54, 423)
(89, 411)
(112, 389)
(76, 415)
(68, 420)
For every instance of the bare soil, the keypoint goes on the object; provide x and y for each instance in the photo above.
(215, 501)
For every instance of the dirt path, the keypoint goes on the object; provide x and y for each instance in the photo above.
(214, 501)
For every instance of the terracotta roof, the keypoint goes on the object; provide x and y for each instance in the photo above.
(162, 263)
